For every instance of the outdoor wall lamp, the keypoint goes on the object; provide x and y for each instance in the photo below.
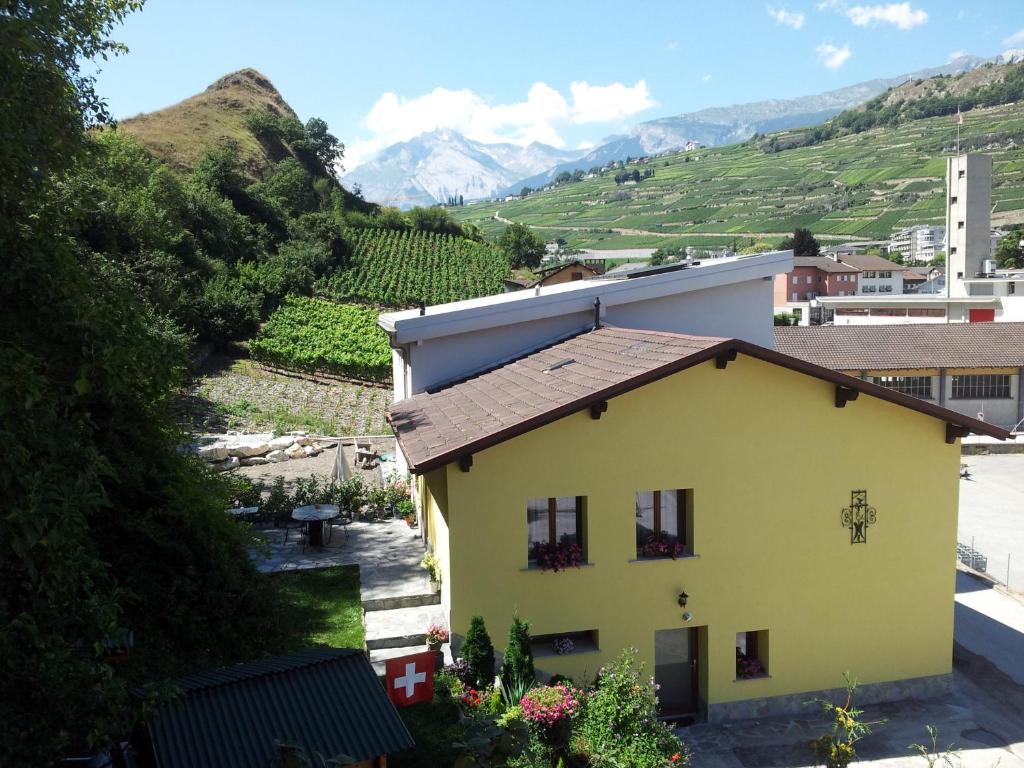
(683, 597)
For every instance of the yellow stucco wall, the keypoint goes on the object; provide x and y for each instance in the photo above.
(772, 463)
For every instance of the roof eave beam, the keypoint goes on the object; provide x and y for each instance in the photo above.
(724, 359)
(954, 431)
(845, 395)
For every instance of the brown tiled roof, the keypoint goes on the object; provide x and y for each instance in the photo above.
(440, 427)
(822, 263)
(864, 261)
(899, 346)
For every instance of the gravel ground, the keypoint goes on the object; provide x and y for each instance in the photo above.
(234, 393)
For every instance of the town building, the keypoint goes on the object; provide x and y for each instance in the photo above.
(676, 533)
(972, 368)
(877, 275)
(918, 244)
(564, 273)
(811, 277)
(322, 700)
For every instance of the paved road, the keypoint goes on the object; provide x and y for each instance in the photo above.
(992, 513)
(990, 623)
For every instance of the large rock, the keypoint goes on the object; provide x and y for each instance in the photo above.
(212, 452)
(295, 452)
(232, 462)
(303, 440)
(277, 456)
(310, 450)
(280, 443)
(254, 461)
(249, 448)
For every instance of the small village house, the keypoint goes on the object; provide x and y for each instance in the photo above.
(653, 464)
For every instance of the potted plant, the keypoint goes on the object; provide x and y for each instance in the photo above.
(436, 637)
(431, 564)
(407, 512)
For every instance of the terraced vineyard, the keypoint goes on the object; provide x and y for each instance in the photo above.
(857, 187)
(397, 269)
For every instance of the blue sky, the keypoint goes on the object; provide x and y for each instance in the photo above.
(560, 71)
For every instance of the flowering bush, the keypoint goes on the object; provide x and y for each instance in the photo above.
(471, 699)
(662, 545)
(557, 557)
(619, 722)
(747, 666)
(564, 645)
(437, 634)
(549, 705)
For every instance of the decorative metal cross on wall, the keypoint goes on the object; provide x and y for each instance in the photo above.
(858, 516)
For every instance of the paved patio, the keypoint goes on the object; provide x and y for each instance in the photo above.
(387, 552)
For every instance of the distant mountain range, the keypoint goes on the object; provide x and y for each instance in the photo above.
(443, 163)
(433, 166)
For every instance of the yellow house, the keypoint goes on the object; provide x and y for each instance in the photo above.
(746, 574)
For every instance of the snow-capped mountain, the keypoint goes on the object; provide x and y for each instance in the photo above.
(443, 163)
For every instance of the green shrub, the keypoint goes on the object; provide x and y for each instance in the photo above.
(619, 724)
(228, 309)
(478, 652)
(517, 666)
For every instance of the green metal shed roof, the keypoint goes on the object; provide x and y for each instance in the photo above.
(327, 700)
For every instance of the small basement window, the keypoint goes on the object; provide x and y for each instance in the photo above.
(751, 654)
(564, 643)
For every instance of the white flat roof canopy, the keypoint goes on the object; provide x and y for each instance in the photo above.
(913, 300)
(577, 296)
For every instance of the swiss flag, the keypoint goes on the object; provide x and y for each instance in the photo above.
(410, 679)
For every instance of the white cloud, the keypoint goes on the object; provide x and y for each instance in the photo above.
(794, 19)
(672, 46)
(393, 118)
(958, 54)
(832, 56)
(706, 78)
(604, 103)
(586, 144)
(900, 14)
(1016, 37)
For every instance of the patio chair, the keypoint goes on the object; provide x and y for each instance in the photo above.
(301, 528)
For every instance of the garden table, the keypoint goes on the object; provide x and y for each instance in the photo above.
(315, 515)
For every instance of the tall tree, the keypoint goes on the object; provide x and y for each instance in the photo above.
(106, 526)
(523, 247)
(803, 243)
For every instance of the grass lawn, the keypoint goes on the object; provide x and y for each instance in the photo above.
(323, 606)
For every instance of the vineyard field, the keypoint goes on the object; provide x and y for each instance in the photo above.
(320, 336)
(403, 268)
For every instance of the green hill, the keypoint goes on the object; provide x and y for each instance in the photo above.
(180, 135)
(857, 186)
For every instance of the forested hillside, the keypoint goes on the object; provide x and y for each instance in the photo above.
(859, 177)
(226, 203)
(121, 247)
